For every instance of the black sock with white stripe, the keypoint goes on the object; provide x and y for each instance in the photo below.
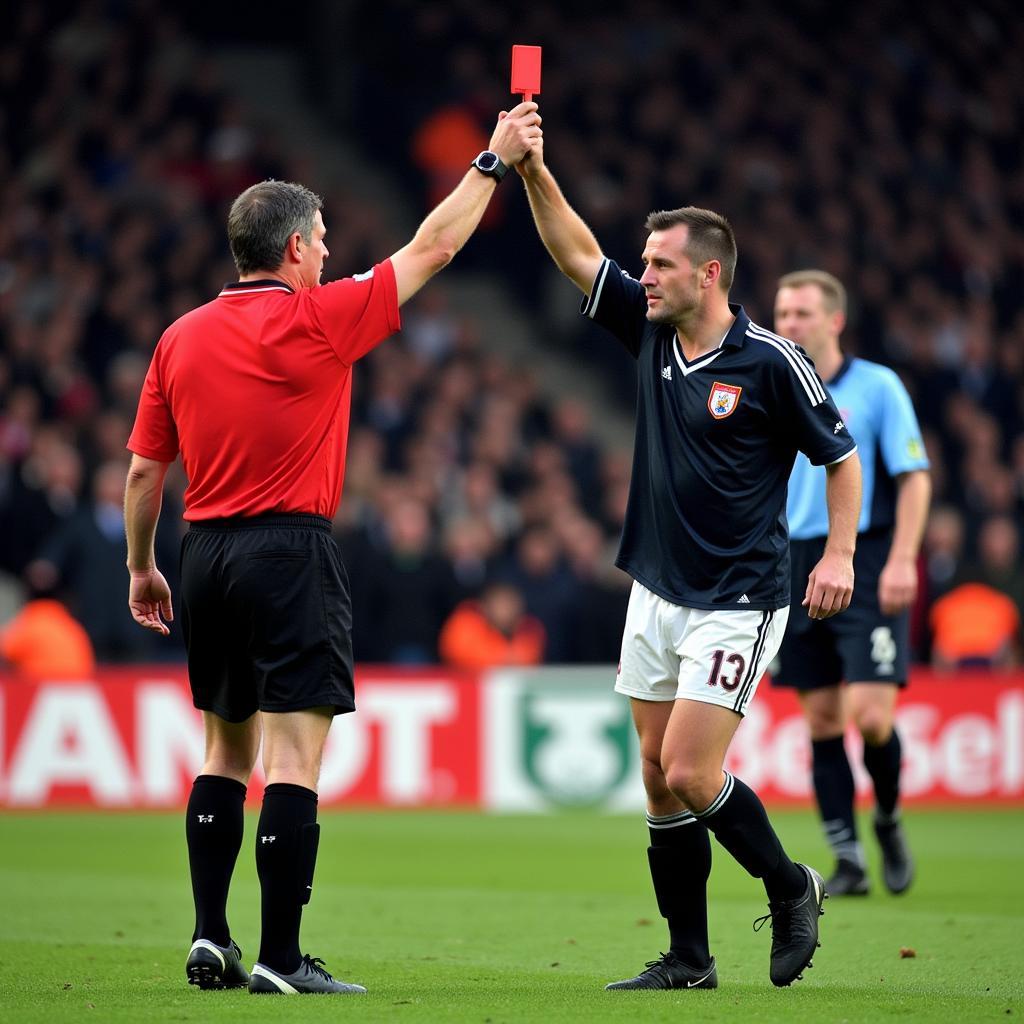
(214, 823)
(833, 787)
(883, 765)
(741, 825)
(680, 860)
(288, 811)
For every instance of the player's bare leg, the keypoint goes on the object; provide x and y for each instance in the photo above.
(650, 717)
(826, 712)
(872, 708)
(213, 829)
(696, 741)
(231, 747)
(679, 856)
(287, 838)
(697, 738)
(293, 745)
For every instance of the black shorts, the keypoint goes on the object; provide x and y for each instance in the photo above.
(860, 645)
(266, 616)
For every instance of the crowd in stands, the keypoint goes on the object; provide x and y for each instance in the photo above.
(480, 515)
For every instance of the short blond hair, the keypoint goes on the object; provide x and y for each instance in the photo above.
(831, 287)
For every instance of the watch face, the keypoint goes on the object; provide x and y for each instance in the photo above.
(487, 161)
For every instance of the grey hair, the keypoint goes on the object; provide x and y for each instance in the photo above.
(264, 217)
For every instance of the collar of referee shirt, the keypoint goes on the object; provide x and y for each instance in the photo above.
(265, 284)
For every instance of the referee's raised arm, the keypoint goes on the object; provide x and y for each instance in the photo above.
(565, 235)
(448, 227)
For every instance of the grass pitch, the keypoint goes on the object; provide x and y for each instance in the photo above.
(461, 917)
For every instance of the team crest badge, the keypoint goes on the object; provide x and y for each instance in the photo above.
(723, 400)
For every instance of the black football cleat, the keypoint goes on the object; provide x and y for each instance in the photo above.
(309, 978)
(794, 926)
(670, 972)
(212, 966)
(848, 879)
(897, 864)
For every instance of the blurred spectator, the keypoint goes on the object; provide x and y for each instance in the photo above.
(537, 571)
(443, 146)
(407, 592)
(44, 641)
(429, 328)
(86, 557)
(492, 631)
(38, 499)
(597, 615)
(943, 549)
(974, 626)
(478, 494)
(572, 433)
(998, 563)
(470, 545)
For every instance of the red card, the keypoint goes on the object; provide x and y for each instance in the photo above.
(526, 70)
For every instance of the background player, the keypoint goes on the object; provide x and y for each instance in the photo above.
(253, 389)
(868, 646)
(722, 407)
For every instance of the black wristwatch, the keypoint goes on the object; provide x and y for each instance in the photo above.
(490, 164)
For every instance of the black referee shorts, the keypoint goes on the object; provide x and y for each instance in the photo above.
(266, 616)
(860, 645)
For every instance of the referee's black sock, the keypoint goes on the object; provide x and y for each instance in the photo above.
(741, 825)
(213, 830)
(680, 859)
(883, 765)
(287, 827)
(833, 786)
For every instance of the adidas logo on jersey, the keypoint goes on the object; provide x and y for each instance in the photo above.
(743, 599)
(667, 372)
(839, 426)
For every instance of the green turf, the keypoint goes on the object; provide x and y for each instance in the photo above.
(499, 919)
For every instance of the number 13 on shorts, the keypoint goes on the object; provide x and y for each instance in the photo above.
(716, 656)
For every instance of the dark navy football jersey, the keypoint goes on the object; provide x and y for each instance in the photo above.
(715, 443)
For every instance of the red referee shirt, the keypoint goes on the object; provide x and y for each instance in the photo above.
(254, 388)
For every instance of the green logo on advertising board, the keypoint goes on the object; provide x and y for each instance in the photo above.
(576, 743)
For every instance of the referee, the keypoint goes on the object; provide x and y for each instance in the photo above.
(723, 405)
(868, 647)
(253, 389)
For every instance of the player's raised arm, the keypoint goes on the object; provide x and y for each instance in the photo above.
(563, 231)
(448, 227)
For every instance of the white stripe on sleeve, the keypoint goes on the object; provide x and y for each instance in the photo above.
(595, 295)
(812, 388)
(843, 458)
(803, 361)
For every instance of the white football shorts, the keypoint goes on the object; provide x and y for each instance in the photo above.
(717, 656)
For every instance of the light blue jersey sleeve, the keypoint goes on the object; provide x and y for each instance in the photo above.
(899, 436)
(879, 414)
(806, 510)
